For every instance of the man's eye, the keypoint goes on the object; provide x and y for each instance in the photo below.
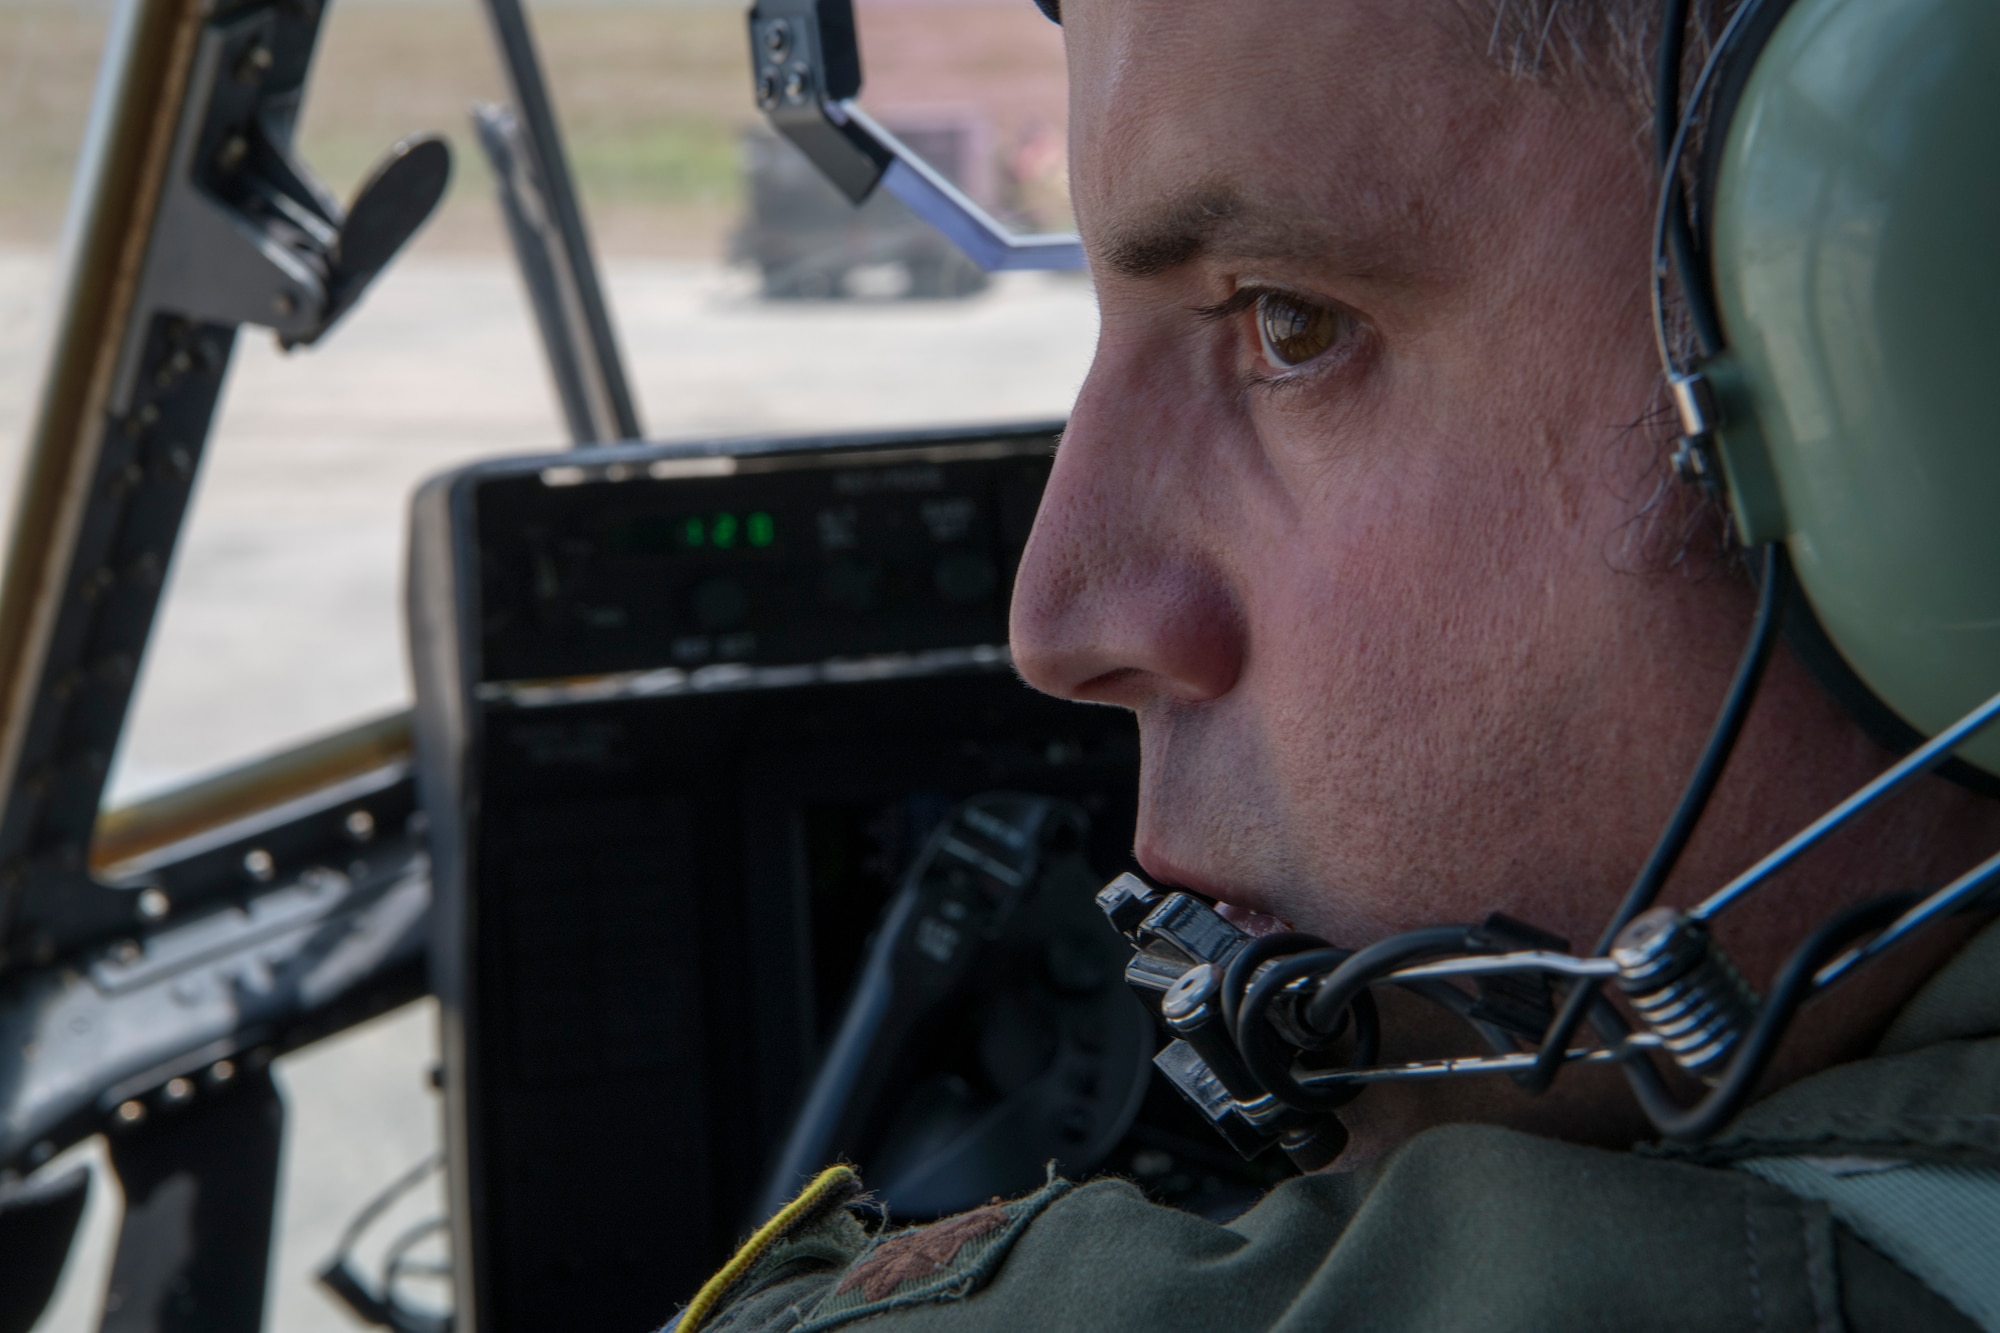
(1294, 330)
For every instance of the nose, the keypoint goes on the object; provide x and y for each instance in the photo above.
(1123, 596)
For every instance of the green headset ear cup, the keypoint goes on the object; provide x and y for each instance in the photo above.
(1808, 642)
(1855, 249)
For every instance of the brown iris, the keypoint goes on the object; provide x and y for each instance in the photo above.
(1294, 330)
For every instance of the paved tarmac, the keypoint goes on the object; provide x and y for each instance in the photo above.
(282, 616)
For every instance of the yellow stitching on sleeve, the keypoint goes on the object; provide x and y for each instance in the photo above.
(712, 1292)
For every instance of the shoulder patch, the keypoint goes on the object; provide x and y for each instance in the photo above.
(918, 1253)
(946, 1260)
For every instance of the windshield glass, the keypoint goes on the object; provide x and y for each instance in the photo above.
(746, 295)
(48, 65)
(980, 87)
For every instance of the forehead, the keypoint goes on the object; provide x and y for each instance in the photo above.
(1363, 115)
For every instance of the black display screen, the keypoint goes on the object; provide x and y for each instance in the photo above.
(885, 552)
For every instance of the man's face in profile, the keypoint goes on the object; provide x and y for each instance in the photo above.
(1359, 506)
(1342, 513)
(1364, 511)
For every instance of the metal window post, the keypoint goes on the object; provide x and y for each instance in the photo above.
(587, 341)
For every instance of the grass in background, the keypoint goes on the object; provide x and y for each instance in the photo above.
(651, 97)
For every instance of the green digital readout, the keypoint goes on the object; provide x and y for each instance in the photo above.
(724, 531)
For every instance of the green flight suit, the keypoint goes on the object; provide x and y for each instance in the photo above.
(1784, 1221)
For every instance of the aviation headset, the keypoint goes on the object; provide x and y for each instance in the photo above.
(1836, 248)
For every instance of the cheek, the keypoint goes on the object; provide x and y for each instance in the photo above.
(1423, 654)
(1379, 629)
(1442, 536)
(1412, 560)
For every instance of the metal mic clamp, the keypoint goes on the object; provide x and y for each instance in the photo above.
(1182, 951)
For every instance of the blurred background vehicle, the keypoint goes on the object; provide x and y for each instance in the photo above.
(809, 243)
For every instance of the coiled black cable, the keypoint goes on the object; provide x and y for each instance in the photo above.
(1242, 969)
(1337, 991)
(1269, 1057)
(1794, 986)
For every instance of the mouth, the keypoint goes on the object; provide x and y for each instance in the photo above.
(1229, 903)
(1249, 922)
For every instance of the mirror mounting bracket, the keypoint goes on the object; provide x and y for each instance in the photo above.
(806, 67)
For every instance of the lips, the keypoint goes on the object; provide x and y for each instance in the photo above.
(1246, 919)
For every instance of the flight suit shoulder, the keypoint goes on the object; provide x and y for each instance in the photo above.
(814, 1266)
(1464, 1227)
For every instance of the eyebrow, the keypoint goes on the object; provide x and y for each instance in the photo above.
(1175, 234)
(1216, 218)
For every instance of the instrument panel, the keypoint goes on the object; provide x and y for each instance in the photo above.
(686, 563)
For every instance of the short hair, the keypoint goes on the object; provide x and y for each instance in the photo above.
(1613, 46)
(1612, 43)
